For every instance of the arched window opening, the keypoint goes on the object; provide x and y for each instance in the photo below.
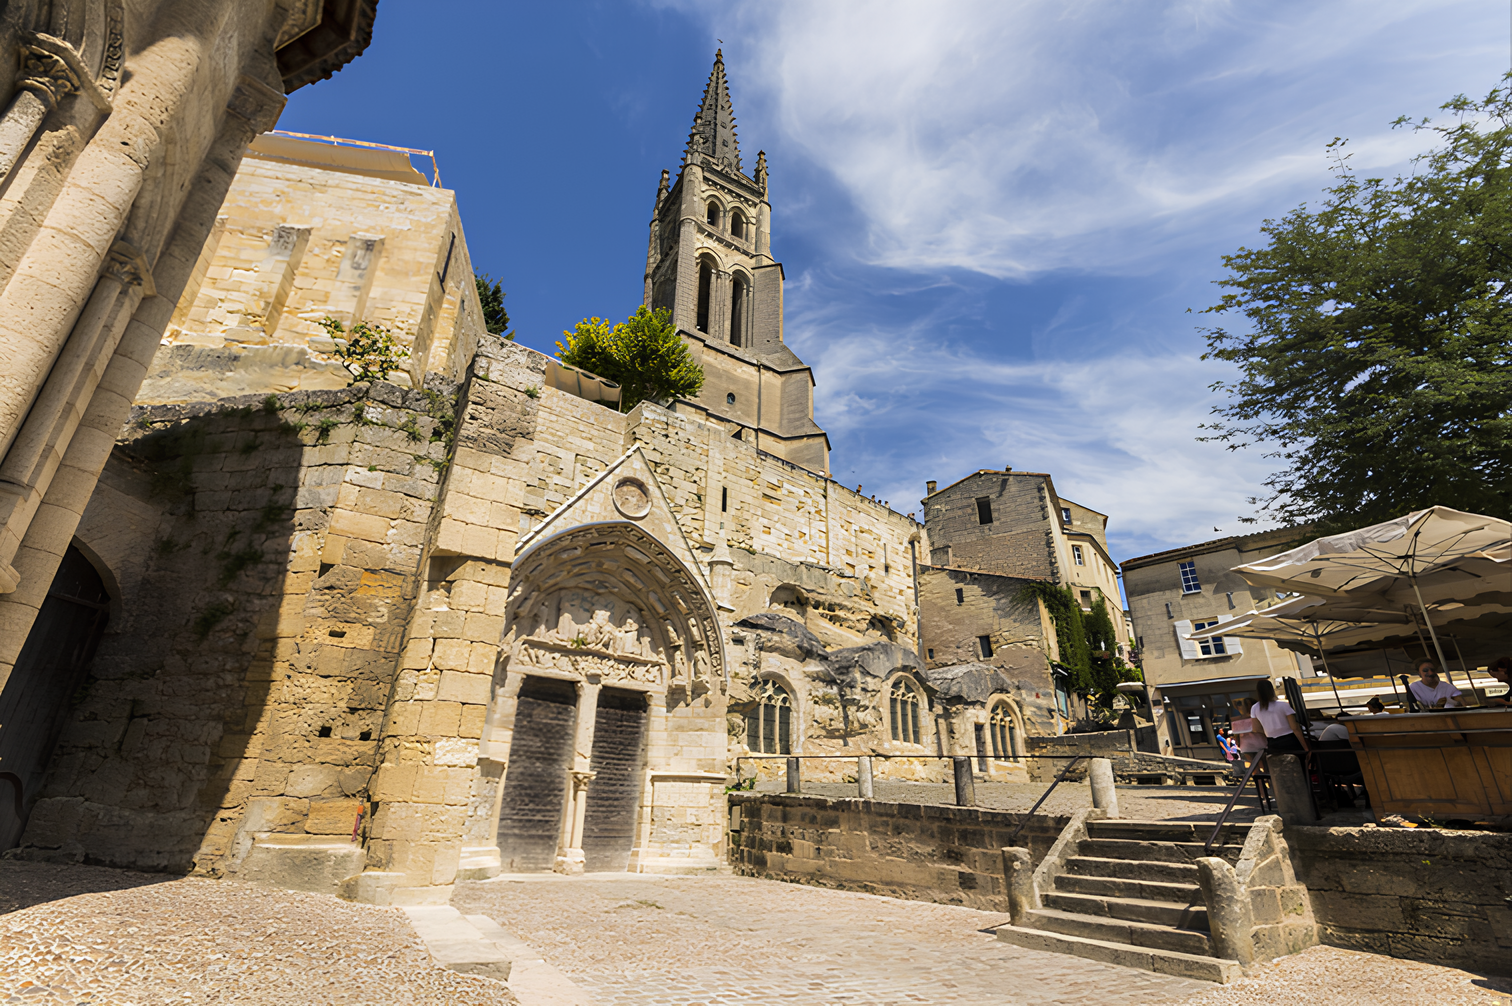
(737, 311)
(737, 225)
(705, 283)
(1001, 727)
(904, 705)
(713, 216)
(769, 725)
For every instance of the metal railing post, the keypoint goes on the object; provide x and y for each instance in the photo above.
(965, 786)
(794, 780)
(864, 777)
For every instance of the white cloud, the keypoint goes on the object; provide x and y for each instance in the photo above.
(1014, 138)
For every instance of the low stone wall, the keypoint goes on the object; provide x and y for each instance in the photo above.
(1048, 755)
(1419, 893)
(947, 855)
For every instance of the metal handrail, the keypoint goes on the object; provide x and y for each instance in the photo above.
(1046, 795)
(1207, 846)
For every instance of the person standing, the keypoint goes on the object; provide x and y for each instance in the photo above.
(1501, 670)
(1279, 720)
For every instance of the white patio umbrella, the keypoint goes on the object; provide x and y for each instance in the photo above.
(1443, 555)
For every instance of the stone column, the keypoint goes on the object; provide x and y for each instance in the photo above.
(1230, 916)
(1018, 872)
(51, 71)
(570, 859)
(1292, 788)
(1104, 792)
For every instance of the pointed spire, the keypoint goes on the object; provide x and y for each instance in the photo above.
(713, 132)
(662, 189)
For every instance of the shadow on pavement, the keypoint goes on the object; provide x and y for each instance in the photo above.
(24, 884)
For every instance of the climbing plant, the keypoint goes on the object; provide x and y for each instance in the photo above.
(368, 352)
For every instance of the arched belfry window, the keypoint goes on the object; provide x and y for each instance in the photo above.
(737, 224)
(705, 290)
(769, 724)
(739, 297)
(903, 704)
(713, 216)
(1003, 731)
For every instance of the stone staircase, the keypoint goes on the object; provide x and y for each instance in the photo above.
(1129, 895)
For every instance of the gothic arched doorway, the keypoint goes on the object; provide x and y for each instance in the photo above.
(607, 634)
(50, 668)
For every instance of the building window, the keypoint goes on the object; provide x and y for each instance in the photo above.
(1168, 610)
(713, 214)
(1000, 727)
(737, 311)
(903, 703)
(705, 282)
(984, 643)
(724, 498)
(1189, 582)
(1065, 515)
(1076, 555)
(984, 510)
(729, 398)
(1211, 647)
(960, 596)
(931, 654)
(769, 726)
(737, 224)
(1086, 600)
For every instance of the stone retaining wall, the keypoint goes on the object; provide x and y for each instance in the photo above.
(947, 855)
(1422, 894)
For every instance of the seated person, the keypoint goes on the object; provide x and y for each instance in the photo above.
(1431, 691)
(1375, 707)
(1501, 670)
(1334, 731)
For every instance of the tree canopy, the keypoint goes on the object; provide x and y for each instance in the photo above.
(491, 295)
(644, 355)
(1377, 365)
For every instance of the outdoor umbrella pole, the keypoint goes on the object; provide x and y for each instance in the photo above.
(1469, 677)
(1429, 622)
(1318, 638)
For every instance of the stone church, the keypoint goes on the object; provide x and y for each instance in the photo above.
(372, 637)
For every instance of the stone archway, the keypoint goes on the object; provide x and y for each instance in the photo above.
(610, 636)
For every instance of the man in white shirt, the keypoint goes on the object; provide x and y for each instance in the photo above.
(1431, 692)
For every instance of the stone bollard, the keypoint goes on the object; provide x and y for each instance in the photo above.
(794, 781)
(1104, 792)
(1292, 788)
(965, 786)
(1230, 917)
(1018, 870)
(864, 777)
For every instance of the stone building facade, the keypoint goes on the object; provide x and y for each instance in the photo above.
(1172, 593)
(370, 638)
(123, 126)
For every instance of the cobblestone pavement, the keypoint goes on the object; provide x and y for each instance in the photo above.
(720, 941)
(82, 934)
(1329, 976)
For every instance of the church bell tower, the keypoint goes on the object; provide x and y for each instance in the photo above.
(710, 262)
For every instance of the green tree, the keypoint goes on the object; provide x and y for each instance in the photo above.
(368, 352)
(491, 295)
(644, 355)
(1377, 368)
(1087, 640)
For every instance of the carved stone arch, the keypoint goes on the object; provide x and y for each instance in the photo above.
(610, 600)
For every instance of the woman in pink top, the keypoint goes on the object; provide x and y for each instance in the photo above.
(1250, 732)
(1279, 719)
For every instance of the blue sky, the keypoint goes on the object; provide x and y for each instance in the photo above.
(993, 217)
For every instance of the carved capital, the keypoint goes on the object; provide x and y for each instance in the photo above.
(129, 267)
(46, 75)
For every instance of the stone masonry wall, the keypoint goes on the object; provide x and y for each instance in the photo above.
(1018, 542)
(271, 562)
(1422, 893)
(947, 855)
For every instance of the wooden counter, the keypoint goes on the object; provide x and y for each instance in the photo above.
(1448, 763)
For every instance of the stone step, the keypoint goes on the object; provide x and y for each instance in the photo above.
(1162, 852)
(1161, 913)
(1132, 869)
(1166, 831)
(1165, 962)
(1123, 887)
(1137, 934)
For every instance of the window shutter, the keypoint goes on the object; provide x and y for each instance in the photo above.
(1189, 649)
(1231, 643)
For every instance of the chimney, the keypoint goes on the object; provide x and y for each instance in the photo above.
(929, 487)
(1007, 468)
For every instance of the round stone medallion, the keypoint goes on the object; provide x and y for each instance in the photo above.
(632, 498)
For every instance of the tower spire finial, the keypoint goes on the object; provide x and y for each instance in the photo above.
(713, 132)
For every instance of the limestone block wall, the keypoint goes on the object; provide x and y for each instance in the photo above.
(947, 855)
(266, 553)
(1020, 541)
(1425, 894)
(298, 242)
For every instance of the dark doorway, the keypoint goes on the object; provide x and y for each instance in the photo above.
(48, 671)
(614, 794)
(535, 784)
